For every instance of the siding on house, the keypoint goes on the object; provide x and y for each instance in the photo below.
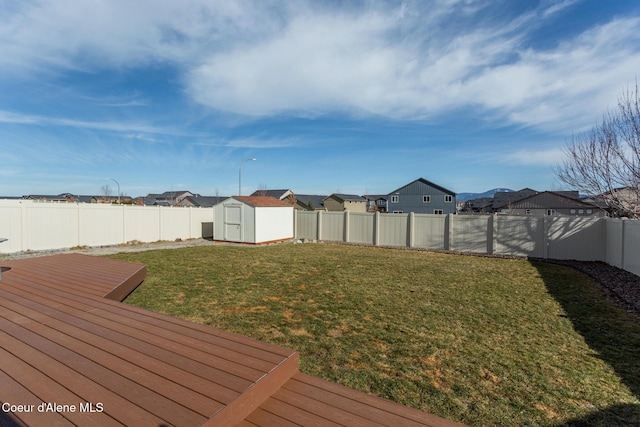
(553, 204)
(345, 202)
(422, 196)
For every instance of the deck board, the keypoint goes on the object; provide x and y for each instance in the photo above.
(63, 341)
(311, 401)
(66, 338)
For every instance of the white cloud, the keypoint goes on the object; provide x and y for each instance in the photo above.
(534, 157)
(403, 61)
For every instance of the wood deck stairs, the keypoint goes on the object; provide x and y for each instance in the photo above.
(71, 353)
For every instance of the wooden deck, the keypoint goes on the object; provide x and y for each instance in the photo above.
(72, 354)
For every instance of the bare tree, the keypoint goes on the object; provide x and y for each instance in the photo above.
(605, 162)
(262, 190)
(106, 192)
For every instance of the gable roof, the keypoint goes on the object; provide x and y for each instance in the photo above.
(550, 200)
(262, 201)
(204, 201)
(426, 182)
(317, 201)
(504, 198)
(278, 194)
(346, 197)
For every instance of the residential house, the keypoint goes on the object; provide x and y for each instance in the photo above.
(552, 203)
(278, 194)
(422, 196)
(376, 202)
(199, 201)
(309, 202)
(480, 205)
(502, 200)
(168, 198)
(345, 202)
(624, 201)
(76, 198)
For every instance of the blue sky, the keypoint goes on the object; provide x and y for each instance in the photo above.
(342, 96)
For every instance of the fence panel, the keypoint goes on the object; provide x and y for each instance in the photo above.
(306, 225)
(11, 226)
(429, 231)
(361, 228)
(332, 227)
(581, 239)
(142, 223)
(174, 223)
(52, 225)
(394, 230)
(519, 236)
(469, 233)
(631, 247)
(44, 226)
(614, 242)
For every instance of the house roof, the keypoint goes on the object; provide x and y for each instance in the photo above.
(204, 201)
(346, 197)
(375, 197)
(503, 198)
(317, 201)
(262, 201)
(278, 194)
(426, 182)
(550, 200)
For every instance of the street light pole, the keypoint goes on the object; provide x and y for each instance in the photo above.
(118, 184)
(240, 175)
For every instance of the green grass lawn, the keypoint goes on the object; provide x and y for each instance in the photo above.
(483, 341)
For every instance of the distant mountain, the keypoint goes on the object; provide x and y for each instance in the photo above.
(463, 197)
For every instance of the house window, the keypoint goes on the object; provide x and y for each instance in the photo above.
(395, 199)
(448, 199)
(527, 211)
(438, 211)
(581, 211)
(426, 199)
(398, 212)
(572, 211)
(589, 211)
(551, 212)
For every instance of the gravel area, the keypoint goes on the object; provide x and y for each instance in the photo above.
(620, 287)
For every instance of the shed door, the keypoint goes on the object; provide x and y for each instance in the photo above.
(232, 222)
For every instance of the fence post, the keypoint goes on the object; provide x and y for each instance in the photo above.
(345, 236)
(491, 235)
(410, 229)
(295, 223)
(376, 229)
(545, 237)
(623, 234)
(319, 228)
(448, 232)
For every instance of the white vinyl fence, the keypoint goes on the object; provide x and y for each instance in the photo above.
(615, 241)
(33, 226)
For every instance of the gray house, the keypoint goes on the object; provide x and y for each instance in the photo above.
(552, 203)
(422, 196)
